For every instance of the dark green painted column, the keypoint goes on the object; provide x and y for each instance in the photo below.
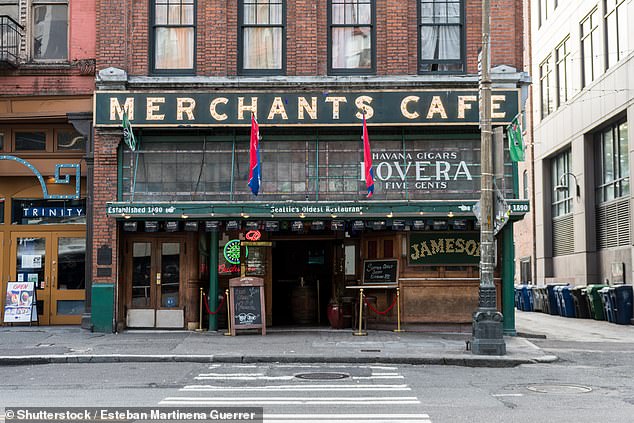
(508, 278)
(213, 280)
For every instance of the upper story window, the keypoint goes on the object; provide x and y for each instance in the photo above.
(615, 30)
(562, 198)
(441, 28)
(352, 36)
(546, 83)
(563, 69)
(613, 167)
(543, 11)
(50, 30)
(591, 54)
(262, 36)
(525, 183)
(9, 8)
(173, 36)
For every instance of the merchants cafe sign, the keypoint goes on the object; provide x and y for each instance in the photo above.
(301, 108)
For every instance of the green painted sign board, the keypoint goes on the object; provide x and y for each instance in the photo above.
(301, 108)
(444, 248)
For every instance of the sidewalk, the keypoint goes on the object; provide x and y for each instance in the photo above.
(40, 345)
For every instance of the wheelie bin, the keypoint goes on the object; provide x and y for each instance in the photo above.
(538, 300)
(566, 303)
(553, 307)
(579, 297)
(623, 304)
(594, 299)
(526, 298)
(606, 301)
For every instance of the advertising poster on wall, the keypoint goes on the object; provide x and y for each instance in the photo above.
(20, 305)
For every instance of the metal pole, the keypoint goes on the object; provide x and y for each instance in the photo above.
(228, 313)
(398, 311)
(487, 321)
(200, 306)
(213, 279)
(360, 333)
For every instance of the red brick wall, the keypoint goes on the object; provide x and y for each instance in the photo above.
(123, 36)
(105, 190)
(60, 80)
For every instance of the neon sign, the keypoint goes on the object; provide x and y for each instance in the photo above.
(253, 235)
(232, 251)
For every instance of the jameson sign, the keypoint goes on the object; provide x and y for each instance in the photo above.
(423, 107)
(440, 248)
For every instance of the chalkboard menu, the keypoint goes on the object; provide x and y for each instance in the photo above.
(246, 304)
(380, 272)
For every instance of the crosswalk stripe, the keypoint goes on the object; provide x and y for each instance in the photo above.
(348, 418)
(204, 388)
(277, 401)
(256, 376)
(351, 419)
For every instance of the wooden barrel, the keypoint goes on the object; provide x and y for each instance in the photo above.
(304, 304)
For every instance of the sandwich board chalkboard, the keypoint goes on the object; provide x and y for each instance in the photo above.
(20, 305)
(246, 304)
(380, 272)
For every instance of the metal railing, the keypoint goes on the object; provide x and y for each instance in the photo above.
(10, 37)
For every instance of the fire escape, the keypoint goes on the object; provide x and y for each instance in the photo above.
(10, 38)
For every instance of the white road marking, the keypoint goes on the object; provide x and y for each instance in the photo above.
(259, 376)
(205, 388)
(289, 400)
(348, 418)
(507, 395)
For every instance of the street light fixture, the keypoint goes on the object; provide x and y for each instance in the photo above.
(562, 186)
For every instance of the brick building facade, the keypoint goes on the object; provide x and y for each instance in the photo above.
(307, 69)
(47, 71)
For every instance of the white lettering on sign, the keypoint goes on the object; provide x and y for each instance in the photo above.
(427, 170)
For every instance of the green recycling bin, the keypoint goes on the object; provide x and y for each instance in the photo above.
(594, 298)
(102, 311)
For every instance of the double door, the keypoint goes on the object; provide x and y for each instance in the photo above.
(152, 278)
(56, 263)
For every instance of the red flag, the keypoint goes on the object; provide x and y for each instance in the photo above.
(367, 160)
(255, 170)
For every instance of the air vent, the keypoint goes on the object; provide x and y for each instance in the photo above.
(613, 224)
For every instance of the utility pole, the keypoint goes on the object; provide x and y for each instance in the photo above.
(487, 321)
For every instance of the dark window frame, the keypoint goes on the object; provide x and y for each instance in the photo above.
(615, 10)
(589, 37)
(463, 44)
(242, 26)
(620, 182)
(560, 164)
(546, 82)
(31, 42)
(152, 40)
(373, 47)
(563, 63)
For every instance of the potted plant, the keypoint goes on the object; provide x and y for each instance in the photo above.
(335, 309)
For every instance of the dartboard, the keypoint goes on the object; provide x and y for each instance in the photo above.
(232, 251)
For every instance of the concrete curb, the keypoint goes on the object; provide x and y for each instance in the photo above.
(467, 361)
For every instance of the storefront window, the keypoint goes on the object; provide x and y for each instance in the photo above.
(31, 260)
(71, 263)
(301, 166)
(48, 212)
